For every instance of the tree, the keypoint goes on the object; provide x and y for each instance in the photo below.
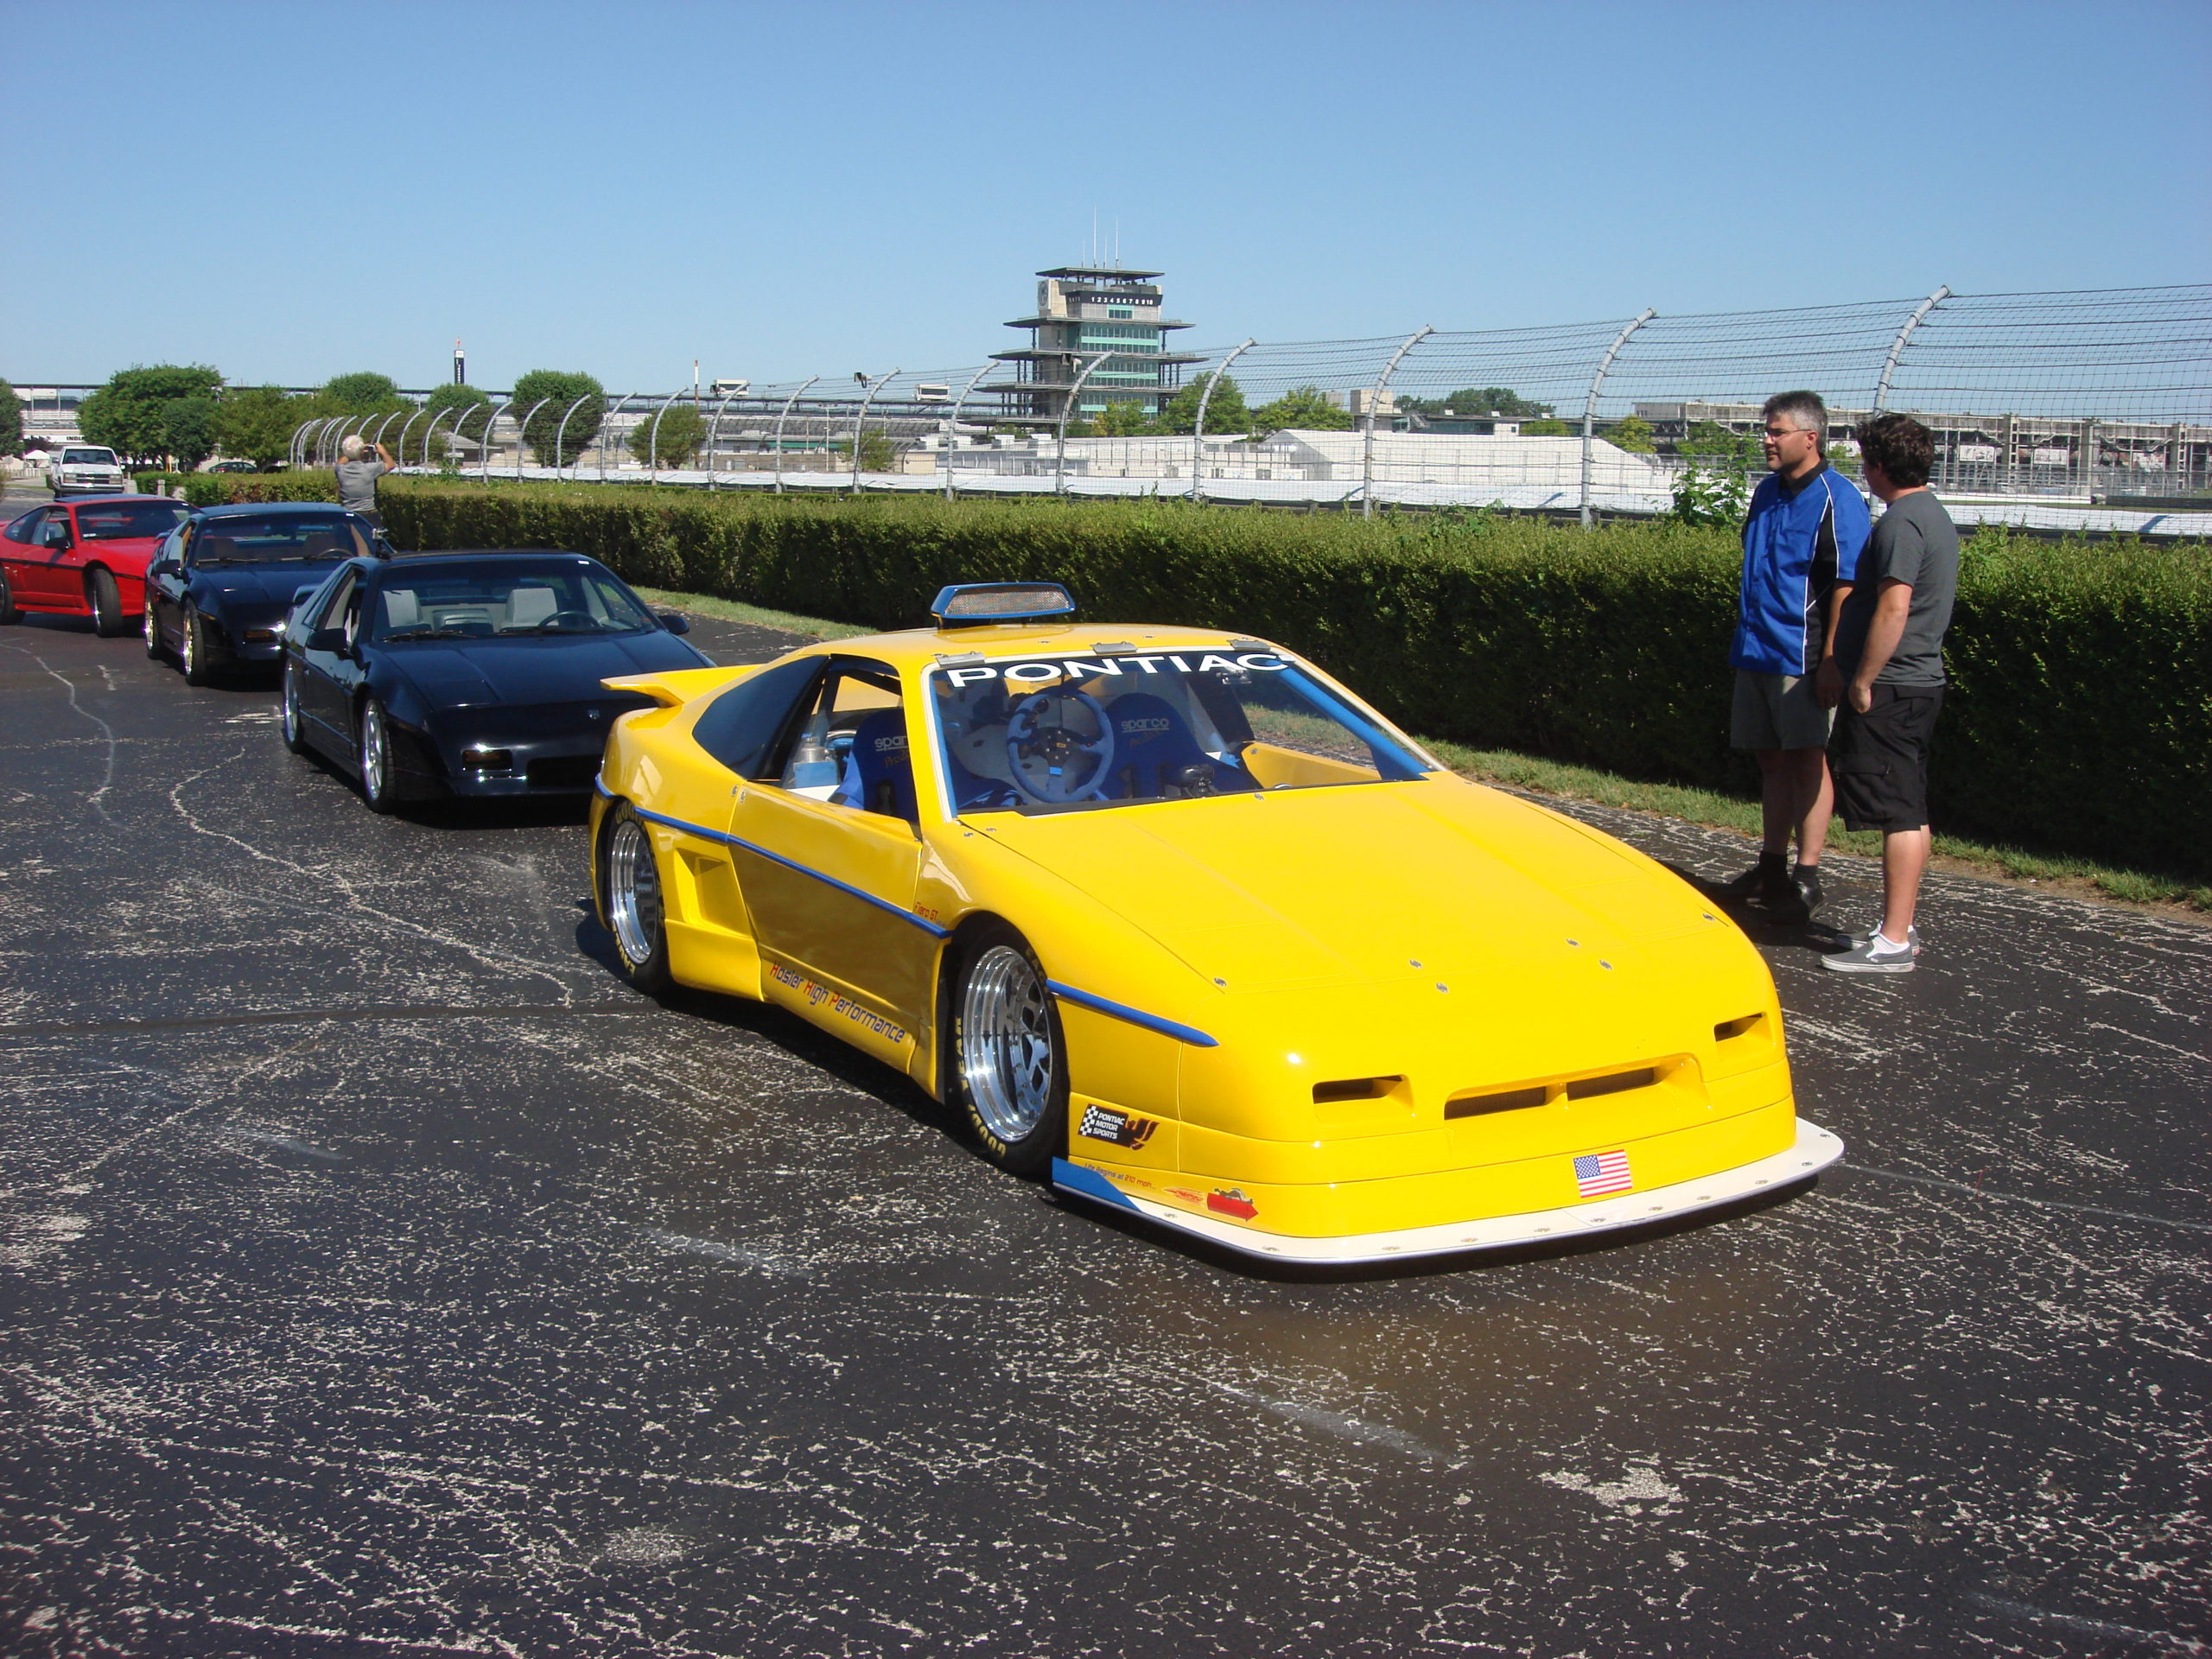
(878, 454)
(188, 432)
(256, 424)
(1480, 400)
(1122, 418)
(681, 432)
(11, 421)
(1225, 411)
(366, 393)
(1303, 407)
(1631, 433)
(130, 414)
(1549, 427)
(475, 407)
(559, 391)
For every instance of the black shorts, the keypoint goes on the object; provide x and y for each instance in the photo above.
(1880, 758)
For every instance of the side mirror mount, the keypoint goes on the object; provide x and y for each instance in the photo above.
(330, 640)
(675, 621)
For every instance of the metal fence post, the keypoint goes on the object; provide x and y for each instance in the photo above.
(1199, 426)
(652, 441)
(714, 440)
(1060, 444)
(1897, 346)
(484, 467)
(399, 443)
(561, 434)
(606, 425)
(860, 419)
(1375, 396)
(522, 435)
(1590, 403)
(780, 419)
(952, 428)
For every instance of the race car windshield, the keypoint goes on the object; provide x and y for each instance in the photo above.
(252, 538)
(507, 601)
(1058, 735)
(123, 521)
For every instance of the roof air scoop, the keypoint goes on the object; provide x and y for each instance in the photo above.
(981, 604)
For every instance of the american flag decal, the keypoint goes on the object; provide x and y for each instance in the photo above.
(1600, 1172)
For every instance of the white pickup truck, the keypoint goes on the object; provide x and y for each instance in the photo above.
(87, 468)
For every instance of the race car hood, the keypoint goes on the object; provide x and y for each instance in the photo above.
(1368, 884)
(549, 668)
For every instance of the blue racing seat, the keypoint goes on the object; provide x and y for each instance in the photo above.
(878, 772)
(1154, 752)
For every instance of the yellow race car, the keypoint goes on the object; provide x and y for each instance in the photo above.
(1180, 922)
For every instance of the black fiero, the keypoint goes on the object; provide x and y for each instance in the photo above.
(468, 673)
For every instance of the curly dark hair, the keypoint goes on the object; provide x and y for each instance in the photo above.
(1901, 446)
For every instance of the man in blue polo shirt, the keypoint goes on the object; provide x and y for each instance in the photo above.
(1801, 543)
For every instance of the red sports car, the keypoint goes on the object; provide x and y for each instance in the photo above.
(84, 558)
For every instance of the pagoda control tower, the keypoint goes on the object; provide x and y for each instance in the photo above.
(1084, 311)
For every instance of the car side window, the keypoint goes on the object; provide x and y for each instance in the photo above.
(849, 749)
(334, 612)
(743, 728)
(25, 528)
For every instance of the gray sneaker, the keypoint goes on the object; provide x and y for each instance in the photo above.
(1875, 954)
(1911, 936)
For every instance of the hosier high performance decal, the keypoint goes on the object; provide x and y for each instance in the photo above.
(1123, 1128)
(1084, 668)
(817, 995)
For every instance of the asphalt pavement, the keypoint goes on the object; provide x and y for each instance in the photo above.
(383, 1276)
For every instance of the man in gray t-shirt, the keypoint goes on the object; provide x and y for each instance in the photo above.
(356, 477)
(1889, 650)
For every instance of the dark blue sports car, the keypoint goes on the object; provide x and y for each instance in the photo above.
(474, 673)
(220, 584)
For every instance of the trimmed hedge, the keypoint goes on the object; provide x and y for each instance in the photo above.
(2079, 719)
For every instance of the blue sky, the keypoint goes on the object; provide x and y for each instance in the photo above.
(306, 189)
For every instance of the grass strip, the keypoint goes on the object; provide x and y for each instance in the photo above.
(1688, 804)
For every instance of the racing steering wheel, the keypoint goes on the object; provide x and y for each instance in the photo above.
(1046, 761)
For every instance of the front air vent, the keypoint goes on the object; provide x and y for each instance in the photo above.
(1614, 1083)
(1354, 1089)
(1751, 1024)
(1504, 1100)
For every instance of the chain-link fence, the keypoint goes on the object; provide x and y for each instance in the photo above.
(2089, 410)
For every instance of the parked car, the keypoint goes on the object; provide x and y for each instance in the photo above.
(84, 558)
(219, 587)
(81, 469)
(230, 466)
(1181, 924)
(470, 673)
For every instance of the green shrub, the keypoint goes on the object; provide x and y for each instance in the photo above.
(670, 437)
(158, 483)
(219, 489)
(2079, 719)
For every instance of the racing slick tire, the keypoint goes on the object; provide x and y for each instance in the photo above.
(194, 654)
(8, 614)
(630, 900)
(106, 602)
(379, 785)
(1009, 1067)
(288, 711)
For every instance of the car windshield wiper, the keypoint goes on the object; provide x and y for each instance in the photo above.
(540, 627)
(430, 633)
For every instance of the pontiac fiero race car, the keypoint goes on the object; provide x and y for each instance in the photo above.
(1177, 920)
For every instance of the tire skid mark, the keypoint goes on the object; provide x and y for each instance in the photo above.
(485, 955)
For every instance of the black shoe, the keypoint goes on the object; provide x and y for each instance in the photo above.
(1805, 895)
(1763, 883)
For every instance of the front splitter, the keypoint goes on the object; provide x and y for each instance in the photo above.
(1813, 1150)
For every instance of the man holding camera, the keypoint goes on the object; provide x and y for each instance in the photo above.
(1889, 656)
(357, 478)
